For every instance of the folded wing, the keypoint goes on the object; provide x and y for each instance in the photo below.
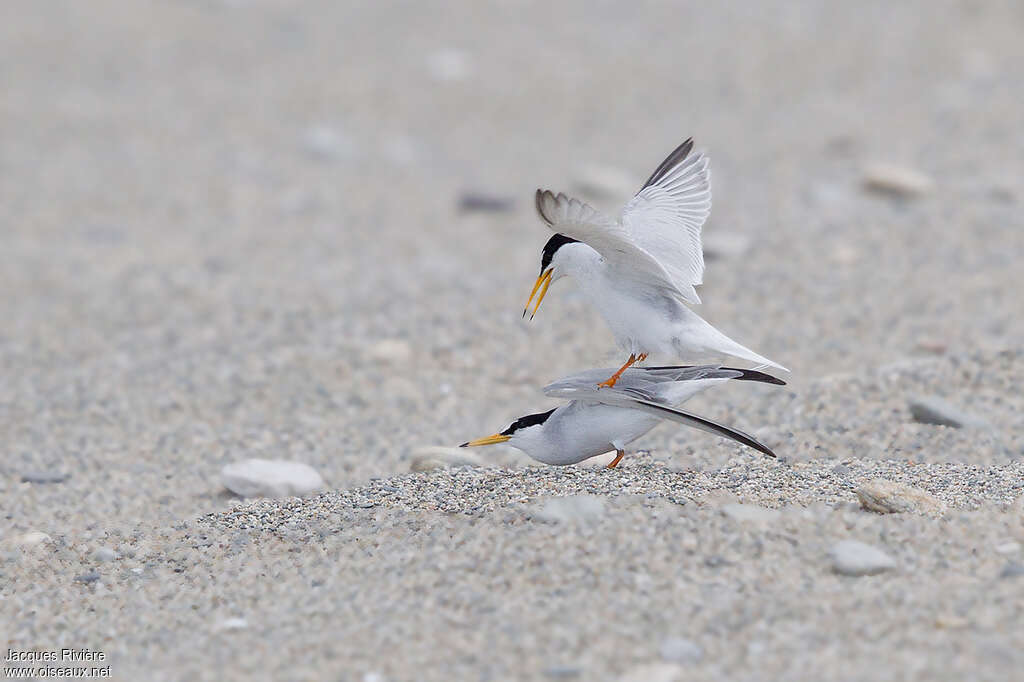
(639, 389)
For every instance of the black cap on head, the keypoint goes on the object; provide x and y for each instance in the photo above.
(556, 242)
(528, 420)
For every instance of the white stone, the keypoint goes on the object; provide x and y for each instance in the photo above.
(851, 557)
(1008, 548)
(896, 180)
(575, 508)
(270, 478)
(229, 624)
(390, 350)
(889, 497)
(33, 539)
(437, 457)
(751, 513)
(654, 672)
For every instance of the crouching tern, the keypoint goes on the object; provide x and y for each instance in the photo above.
(641, 270)
(598, 420)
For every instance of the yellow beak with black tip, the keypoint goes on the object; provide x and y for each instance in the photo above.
(489, 440)
(543, 282)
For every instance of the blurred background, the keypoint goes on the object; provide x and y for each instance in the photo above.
(305, 230)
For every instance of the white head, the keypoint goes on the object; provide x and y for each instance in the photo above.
(525, 433)
(562, 256)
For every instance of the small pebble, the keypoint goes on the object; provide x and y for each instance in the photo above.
(104, 554)
(654, 672)
(390, 350)
(33, 539)
(886, 178)
(43, 477)
(90, 577)
(438, 457)
(229, 624)
(854, 558)
(1008, 548)
(889, 497)
(270, 478)
(485, 203)
(1013, 569)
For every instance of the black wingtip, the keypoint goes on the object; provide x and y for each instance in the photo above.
(466, 445)
(670, 162)
(754, 375)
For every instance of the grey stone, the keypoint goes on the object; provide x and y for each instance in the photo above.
(854, 558)
(1013, 569)
(270, 478)
(90, 577)
(681, 650)
(104, 554)
(484, 203)
(933, 410)
(43, 477)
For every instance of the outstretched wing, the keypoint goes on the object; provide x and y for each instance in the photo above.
(666, 216)
(584, 223)
(657, 239)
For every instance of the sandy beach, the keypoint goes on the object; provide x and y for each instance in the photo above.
(238, 229)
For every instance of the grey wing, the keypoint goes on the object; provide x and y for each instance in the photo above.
(638, 390)
(636, 378)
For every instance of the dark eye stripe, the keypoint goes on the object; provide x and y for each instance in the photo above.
(556, 242)
(528, 420)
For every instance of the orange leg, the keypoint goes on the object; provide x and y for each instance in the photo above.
(619, 454)
(613, 379)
